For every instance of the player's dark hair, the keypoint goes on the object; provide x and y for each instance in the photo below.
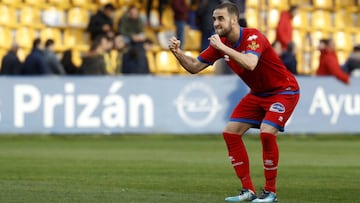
(230, 7)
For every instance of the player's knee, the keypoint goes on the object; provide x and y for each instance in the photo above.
(267, 137)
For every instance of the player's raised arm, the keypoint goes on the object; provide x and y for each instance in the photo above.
(247, 61)
(192, 65)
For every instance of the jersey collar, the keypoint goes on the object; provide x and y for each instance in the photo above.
(240, 37)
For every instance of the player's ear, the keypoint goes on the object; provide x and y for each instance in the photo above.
(234, 20)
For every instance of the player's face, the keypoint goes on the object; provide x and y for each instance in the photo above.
(222, 22)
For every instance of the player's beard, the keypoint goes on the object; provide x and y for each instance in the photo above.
(223, 31)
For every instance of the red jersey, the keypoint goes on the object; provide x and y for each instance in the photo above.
(269, 77)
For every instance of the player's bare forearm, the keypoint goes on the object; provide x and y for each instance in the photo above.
(190, 64)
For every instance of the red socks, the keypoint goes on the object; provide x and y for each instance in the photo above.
(239, 159)
(271, 159)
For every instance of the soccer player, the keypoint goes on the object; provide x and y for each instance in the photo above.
(274, 93)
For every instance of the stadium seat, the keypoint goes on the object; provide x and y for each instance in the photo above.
(271, 35)
(343, 20)
(252, 17)
(192, 39)
(322, 4)
(125, 2)
(321, 20)
(30, 16)
(55, 34)
(315, 56)
(63, 4)
(254, 4)
(347, 4)
(86, 4)
(53, 17)
(25, 36)
(36, 3)
(301, 3)
(5, 38)
(342, 56)
(168, 18)
(12, 2)
(357, 38)
(76, 39)
(301, 40)
(78, 17)
(151, 61)
(305, 68)
(343, 41)
(301, 20)
(8, 16)
(278, 4)
(166, 63)
(23, 53)
(273, 17)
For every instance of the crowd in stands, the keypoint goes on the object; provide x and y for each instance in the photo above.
(122, 41)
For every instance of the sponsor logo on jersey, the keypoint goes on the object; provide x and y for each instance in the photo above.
(277, 107)
(253, 46)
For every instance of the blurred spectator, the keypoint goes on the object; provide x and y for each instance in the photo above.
(121, 46)
(11, 64)
(204, 15)
(35, 63)
(110, 66)
(284, 28)
(93, 62)
(52, 61)
(135, 61)
(68, 64)
(181, 14)
(352, 64)
(160, 9)
(131, 25)
(328, 63)
(102, 22)
(288, 57)
(241, 4)
(276, 45)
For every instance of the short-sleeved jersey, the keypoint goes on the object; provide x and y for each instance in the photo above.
(269, 77)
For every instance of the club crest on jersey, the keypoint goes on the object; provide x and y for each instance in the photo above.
(252, 37)
(277, 107)
(253, 46)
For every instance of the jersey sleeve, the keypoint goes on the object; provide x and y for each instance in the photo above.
(209, 55)
(255, 43)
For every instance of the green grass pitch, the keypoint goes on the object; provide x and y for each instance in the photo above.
(171, 169)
